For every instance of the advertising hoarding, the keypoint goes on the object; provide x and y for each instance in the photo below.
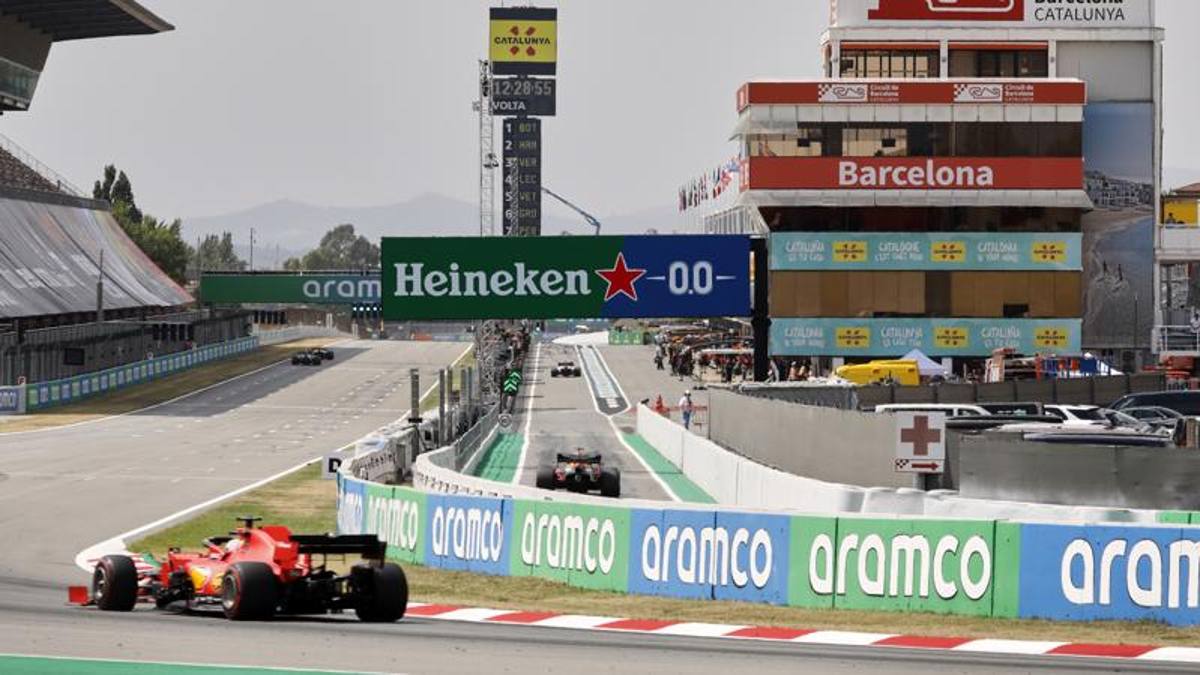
(523, 40)
(556, 277)
(911, 93)
(1023, 13)
(935, 337)
(1008, 251)
(915, 173)
(290, 288)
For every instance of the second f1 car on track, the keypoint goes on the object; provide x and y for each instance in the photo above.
(306, 358)
(581, 472)
(256, 573)
(566, 369)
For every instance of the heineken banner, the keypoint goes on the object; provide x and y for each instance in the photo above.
(294, 288)
(935, 337)
(554, 277)
(1009, 251)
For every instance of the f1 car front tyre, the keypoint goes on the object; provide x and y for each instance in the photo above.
(610, 482)
(387, 597)
(249, 592)
(545, 478)
(115, 583)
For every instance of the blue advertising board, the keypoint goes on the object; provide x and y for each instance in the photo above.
(672, 553)
(470, 534)
(1084, 573)
(1006, 251)
(936, 337)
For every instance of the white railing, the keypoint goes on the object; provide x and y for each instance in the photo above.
(22, 155)
(1177, 340)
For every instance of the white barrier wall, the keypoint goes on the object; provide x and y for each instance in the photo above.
(737, 481)
(274, 337)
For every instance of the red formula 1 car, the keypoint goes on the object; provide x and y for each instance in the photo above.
(580, 472)
(255, 573)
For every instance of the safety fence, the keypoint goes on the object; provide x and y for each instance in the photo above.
(69, 390)
(973, 567)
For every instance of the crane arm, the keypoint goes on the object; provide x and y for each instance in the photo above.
(591, 220)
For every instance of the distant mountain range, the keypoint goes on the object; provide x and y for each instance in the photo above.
(285, 228)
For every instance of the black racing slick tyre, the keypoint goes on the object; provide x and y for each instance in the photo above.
(249, 592)
(610, 483)
(387, 598)
(545, 478)
(115, 583)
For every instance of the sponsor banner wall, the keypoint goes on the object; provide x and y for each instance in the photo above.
(69, 390)
(970, 567)
(1084, 573)
(290, 288)
(911, 93)
(1009, 251)
(12, 400)
(1015, 13)
(916, 173)
(935, 337)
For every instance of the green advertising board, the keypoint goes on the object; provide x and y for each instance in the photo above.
(584, 546)
(429, 278)
(232, 288)
(626, 337)
(397, 515)
(939, 566)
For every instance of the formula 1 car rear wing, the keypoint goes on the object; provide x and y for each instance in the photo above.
(366, 545)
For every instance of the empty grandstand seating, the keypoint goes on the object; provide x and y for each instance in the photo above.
(15, 173)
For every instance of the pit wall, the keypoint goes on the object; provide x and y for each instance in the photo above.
(45, 395)
(976, 567)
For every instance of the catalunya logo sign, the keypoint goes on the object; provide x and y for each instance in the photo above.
(565, 277)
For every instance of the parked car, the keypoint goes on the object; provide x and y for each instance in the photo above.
(951, 409)
(1155, 416)
(1076, 415)
(1186, 403)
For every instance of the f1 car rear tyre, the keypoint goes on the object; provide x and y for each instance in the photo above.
(115, 583)
(387, 598)
(249, 591)
(545, 478)
(610, 482)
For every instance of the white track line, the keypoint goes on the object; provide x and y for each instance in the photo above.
(4, 434)
(117, 544)
(213, 667)
(520, 472)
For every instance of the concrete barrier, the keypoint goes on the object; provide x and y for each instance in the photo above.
(829, 444)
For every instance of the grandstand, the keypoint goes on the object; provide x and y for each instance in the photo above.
(76, 294)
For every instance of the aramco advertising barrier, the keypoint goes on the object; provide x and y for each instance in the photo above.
(970, 567)
(289, 287)
(555, 277)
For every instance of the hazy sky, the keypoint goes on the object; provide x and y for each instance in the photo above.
(365, 102)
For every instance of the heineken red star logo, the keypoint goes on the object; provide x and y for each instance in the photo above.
(621, 279)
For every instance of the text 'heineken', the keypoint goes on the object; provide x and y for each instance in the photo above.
(565, 277)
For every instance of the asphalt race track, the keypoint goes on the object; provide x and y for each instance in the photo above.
(63, 490)
(565, 418)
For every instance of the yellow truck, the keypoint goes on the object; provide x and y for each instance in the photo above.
(882, 372)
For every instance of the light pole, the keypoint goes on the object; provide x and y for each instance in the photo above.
(252, 249)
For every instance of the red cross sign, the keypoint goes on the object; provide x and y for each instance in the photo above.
(920, 442)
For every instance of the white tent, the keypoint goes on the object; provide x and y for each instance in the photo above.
(925, 365)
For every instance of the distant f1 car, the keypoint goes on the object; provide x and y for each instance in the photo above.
(306, 358)
(325, 354)
(566, 369)
(581, 472)
(255, 573)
